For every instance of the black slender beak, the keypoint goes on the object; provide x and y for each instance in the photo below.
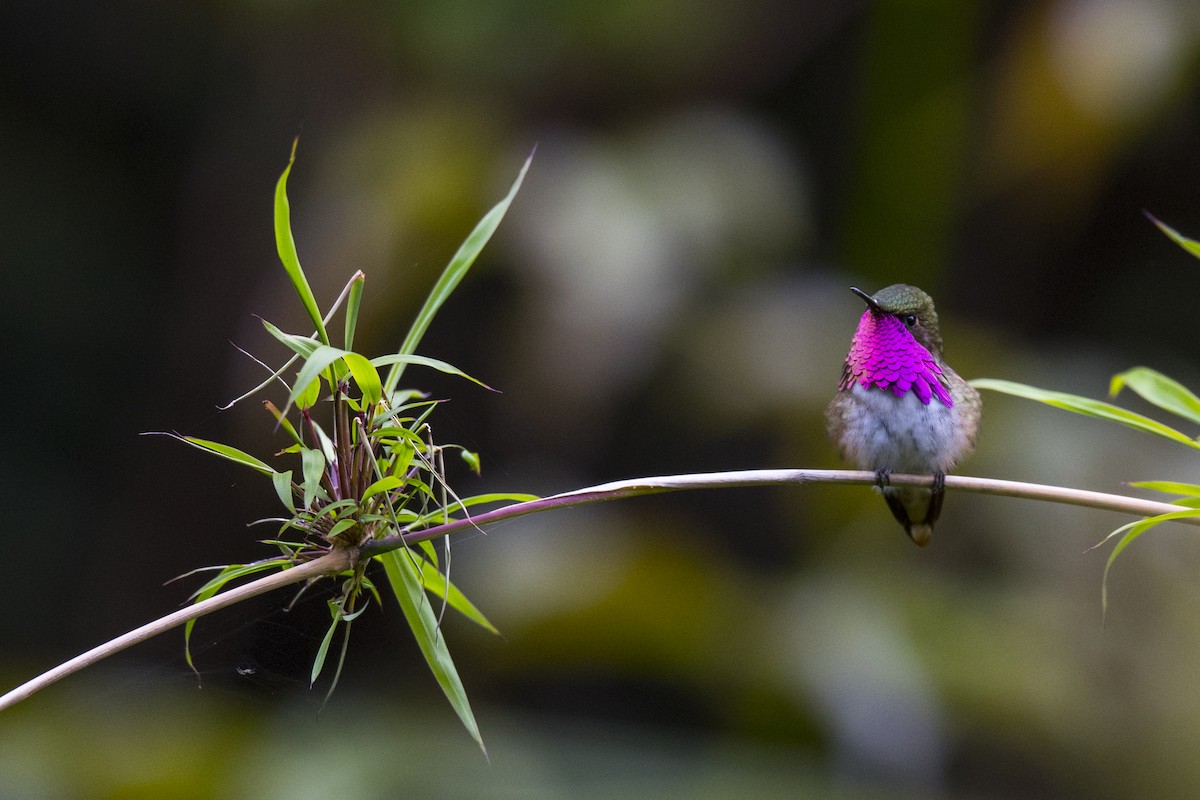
(871, 304)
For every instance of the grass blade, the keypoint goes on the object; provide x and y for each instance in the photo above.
(423, 361)
(225, 451)
(1190, 245)
(409, 589)
(323, 650)
(435, 581)
(1169, 487)
(365, 375)
(1087, 407)
(352, 306)
(302, 346)
(452, 274)
(214, 585)
(285, 243)
(1132, 531)
(314, 364)
(1154, 387)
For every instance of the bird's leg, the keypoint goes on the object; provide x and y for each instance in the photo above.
(936, 496)
(883, 481)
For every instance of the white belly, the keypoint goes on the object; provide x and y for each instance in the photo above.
(901, 434)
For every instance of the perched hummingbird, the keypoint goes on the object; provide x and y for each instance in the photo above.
(899, 406)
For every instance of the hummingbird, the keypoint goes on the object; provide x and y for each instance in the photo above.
(900, 407)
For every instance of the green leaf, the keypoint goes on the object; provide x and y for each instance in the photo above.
(1169, 487)
(401, 458)
(332, 510)
(1087, 407)
(1132, 531)
(340, 526)
(1186, 502)
(423, 361)
(230, 453)
(498, 497)
(308, 396)
(452, 275)
(323, 650)
(1166, 393)
(283, 488)
(1190, 245)
(302, 346)
(366, 376)
(407, 584)
(215, 584)
(430, 552)
(384, 484)
(471, 459)
(286, 245)
(435, 582)
(313, 468)
(441, 515)
(321, 358)
(352, 306)
(314, 364)
(283, 421)
(324, 442)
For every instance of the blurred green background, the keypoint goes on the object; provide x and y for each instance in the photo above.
(669, 293)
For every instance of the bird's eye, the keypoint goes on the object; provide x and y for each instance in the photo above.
(910, 320)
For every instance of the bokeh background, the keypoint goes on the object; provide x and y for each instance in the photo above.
(669, 293)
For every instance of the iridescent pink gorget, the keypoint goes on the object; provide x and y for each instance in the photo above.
(884, 355)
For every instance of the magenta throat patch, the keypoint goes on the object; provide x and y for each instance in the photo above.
(885, 355)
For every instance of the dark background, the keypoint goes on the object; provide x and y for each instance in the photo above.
(669, 293)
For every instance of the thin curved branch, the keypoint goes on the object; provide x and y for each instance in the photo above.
(342, 559)
(329, 564)
(773, 477)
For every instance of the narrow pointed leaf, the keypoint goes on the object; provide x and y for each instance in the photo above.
(306, 396)
(283, 488)
(435, 582)
(286, 245)
(497, 497)
(214, 585)
(323, 650)
(424, 361)
(441, 515)
(1166, 393)
(352, 306)
(452, 275)
(1169, 487)
(313, 468)
(316, 363)
(1087, 407)
(302, 346)
(1190, 245)
(231, 453)
(341, 526)
(325, 443)
(366, 376)
(283, 421)
(430, 552)
(1186, 502)
(1132, 531)
(384, 484)
(407, 585)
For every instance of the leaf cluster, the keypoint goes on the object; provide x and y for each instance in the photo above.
(1158, 390)
(362, 463)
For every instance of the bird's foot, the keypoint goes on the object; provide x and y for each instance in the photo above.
(883, 478)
